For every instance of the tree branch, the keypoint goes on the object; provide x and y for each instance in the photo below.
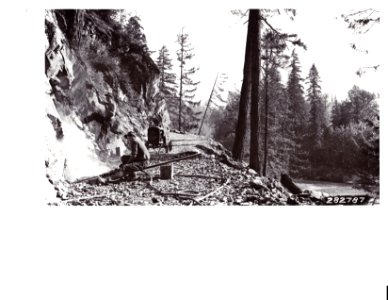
(270, 26)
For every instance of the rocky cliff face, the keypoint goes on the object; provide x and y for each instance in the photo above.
(100, 82)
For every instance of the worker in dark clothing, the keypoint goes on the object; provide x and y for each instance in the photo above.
(137, 161)
(139, 153)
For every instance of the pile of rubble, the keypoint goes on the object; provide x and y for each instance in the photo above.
(210, 179)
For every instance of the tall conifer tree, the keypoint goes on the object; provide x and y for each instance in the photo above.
(298, 113)
(167, 84)
(317, 117)
(189, 118)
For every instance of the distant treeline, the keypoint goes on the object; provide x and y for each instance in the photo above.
(309, 136)
(281, 128)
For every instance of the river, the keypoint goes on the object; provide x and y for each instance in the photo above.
(332, 188)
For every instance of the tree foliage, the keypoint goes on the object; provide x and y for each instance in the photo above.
(225, 120)
(276, 116)
(361, 22)
(317, 118)
(304, 134)
(298, 114)
(360, 106)
(189, 116)
(168, 85)
(115, 49)
(274, 119)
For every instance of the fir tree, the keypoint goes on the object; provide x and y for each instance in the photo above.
(134, 31)
(274, 106)
(188, 116)
(167, 84)
(317, 118)
(278, 142)
(298, 112)
(251, 82)
(336, 114)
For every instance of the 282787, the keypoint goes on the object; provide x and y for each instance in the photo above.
(347, 200)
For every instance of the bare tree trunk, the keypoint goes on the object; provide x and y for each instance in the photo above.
(241, 127)
(180, 89)
(207, 106)
(266, 117)
(254, 160)
(162, 81)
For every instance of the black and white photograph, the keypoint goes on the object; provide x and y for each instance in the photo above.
(263, 107)
(149, 108)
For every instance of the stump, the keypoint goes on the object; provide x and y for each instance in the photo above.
(166, 172)
(289, 184)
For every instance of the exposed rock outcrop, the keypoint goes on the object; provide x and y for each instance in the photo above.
(101, 82)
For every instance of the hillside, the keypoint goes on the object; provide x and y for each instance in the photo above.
(100, 82)
(218, 181)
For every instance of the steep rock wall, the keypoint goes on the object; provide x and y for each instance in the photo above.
(96, 89)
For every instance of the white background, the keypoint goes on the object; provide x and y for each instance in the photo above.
(70, 253)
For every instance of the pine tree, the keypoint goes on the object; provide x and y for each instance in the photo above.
(298, 112)
(273, 44)
(336, 114)
(134, 57)
(317, 126)
(167, 84)
(188, 116)
(251, 83)
(317, 118)
(314, 89)
(273, 101)
(135, 33)
(278, 143)
(327, 109)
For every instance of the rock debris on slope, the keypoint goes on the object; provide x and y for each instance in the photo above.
(204, 181)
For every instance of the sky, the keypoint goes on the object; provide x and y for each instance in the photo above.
(218, 39)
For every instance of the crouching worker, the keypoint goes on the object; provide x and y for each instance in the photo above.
(137, 161)
(139, 157)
